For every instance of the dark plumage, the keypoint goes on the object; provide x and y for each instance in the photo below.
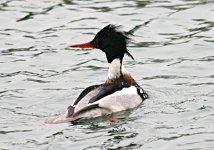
(113, 42)
(119, 92)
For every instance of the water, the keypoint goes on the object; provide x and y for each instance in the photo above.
(173, 46)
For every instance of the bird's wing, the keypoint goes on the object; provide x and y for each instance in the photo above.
(108, 89)
(84, 93)
(106, 98)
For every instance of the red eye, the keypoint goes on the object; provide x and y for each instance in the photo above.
(97, 41)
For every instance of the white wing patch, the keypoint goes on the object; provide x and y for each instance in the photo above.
(121, 100)
(125, 91)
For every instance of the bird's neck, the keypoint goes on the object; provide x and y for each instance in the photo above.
(115, 69)
(117, 72)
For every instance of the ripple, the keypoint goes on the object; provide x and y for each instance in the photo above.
(183, 135)
(14, 131)
(20, 91)
(199, 84)
(118, 135)
(16, 50)
(165, 77)
(37, 80)
(26, 73)
(147, 44)
(101, 9)
(31, 15)
(3, 5)
(173, 45)
(81, 19)
(28, 16)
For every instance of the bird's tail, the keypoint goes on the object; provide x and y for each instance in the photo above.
(57, 120)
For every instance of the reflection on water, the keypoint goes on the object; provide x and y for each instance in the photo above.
(39, 75)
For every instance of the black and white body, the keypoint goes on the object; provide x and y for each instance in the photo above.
(119, 92)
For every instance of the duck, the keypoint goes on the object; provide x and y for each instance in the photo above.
(119, 92)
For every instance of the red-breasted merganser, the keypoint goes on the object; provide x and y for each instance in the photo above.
(119, 92)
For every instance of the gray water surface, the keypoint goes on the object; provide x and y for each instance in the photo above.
(173, 46)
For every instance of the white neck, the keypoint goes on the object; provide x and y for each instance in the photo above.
(115, 69)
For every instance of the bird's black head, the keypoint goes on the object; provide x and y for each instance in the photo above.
(111, 41)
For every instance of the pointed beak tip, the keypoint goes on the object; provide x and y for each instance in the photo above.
(85, 45)
(72, 46)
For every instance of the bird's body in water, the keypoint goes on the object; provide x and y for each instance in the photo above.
(119, 92)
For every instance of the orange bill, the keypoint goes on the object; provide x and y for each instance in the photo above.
(85, 45)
